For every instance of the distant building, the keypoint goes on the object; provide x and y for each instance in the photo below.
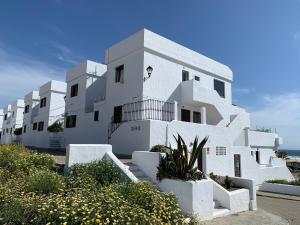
(13, 119)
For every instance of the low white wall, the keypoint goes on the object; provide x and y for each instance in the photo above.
(277, 161)
(84, 153)
(147, 162)
(250, 185)
(193, 196)
(236, 201)
(281, 188)
(257, 138)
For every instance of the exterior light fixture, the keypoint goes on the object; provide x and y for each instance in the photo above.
(149, 71)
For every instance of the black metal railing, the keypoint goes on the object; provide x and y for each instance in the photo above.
(148, 109)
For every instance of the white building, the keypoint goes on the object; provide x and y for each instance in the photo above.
(13, 118)
(31, 101)
(50, 109)
(1, 122)
(86, 87)
(151, 89)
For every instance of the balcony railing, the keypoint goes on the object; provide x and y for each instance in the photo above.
(144, 110)
(148, 109)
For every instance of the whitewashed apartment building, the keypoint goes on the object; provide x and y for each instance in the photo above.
(51, 108)
(1, 122)
(13, 119)
(151, 88)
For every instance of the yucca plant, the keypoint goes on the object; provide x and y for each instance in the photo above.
(178, 164)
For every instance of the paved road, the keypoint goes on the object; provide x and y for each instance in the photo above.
(287, 209)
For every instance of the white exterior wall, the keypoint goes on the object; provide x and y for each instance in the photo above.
(54, 91)
(14, 120)
(1, 122)
(32, 100)
(91, 79)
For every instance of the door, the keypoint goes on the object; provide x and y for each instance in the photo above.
(237, 165)
(117, 114)
(185, 115)
(257, 157)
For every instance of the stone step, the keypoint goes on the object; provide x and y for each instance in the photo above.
(218, 212)
(216, 204)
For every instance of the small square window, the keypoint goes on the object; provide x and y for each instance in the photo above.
(119, 76)
(185, 75)
(43, 102)
(220, 150)
(197, 78)
(41, 126)
(26, 109)
(71, 121)
(96, 116)
(219, 86)
(74, 90)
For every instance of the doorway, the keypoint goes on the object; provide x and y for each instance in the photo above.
(237, 165)
(117, 114)
(257, 153)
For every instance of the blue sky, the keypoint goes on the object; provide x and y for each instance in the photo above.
(258, 40)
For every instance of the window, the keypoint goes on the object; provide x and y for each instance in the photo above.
(26, 109)
(197, 78)
(118, 114)
(220, 150)
(13, 114)
(10, 130)
(5, 117)
(41, 126)
(74, 90)
(43, 102)
(24, 129)
(34, 126)
(196, 117)
(219, 86)
(119, 77)
(185, 115)
(71, 121)
(96, 116)
(185, 75)
(6, 130)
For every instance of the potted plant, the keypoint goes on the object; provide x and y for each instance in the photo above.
(178, 173)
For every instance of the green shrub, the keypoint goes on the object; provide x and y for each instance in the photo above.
(179, 164)
(34, 196)
(228, 183)
(281, 154)
(97, 173)
(159, 148)
(44, 182)
(214, 177)
(293, 182)
(56, 127)
(18, 131)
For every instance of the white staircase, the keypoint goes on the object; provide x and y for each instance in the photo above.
(219, 210)
(139, 174)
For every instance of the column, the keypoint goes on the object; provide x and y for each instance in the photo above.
(203, 114)
(175, 110)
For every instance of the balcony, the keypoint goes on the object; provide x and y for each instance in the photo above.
(263, 139)
(193, 93)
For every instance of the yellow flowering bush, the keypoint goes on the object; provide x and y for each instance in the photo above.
(41, 196)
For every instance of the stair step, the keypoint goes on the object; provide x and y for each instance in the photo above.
(216, 204)
(218, 212)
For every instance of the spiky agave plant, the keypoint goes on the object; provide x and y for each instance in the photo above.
(177, 164)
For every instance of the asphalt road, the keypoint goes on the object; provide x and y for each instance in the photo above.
(286, 209)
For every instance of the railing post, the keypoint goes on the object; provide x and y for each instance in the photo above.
(175, 115)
